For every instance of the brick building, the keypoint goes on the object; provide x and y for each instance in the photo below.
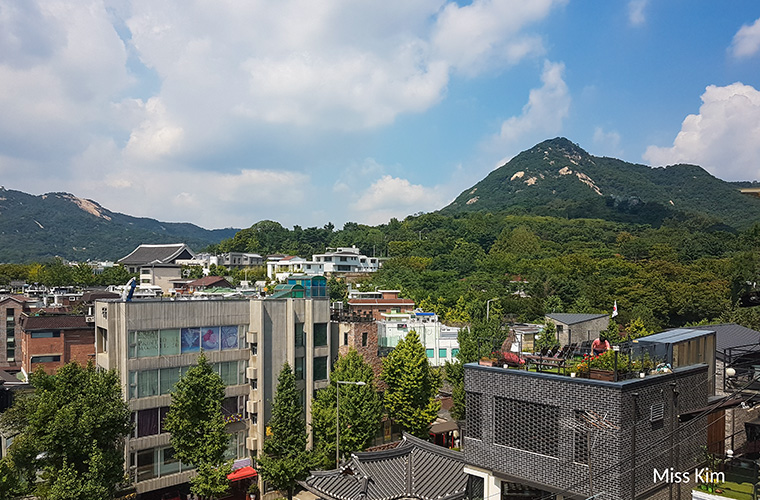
(577, 328)
(52, 341)
(539, 435)
(361, 334)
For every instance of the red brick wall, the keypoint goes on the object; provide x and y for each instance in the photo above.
(73, 345)
(355, 331)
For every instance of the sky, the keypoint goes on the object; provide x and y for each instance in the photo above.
(306, 112)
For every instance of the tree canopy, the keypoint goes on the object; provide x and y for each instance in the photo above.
(411, 386)
(70, 429)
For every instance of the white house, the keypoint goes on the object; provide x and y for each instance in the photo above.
(440, 341)
(346, 260)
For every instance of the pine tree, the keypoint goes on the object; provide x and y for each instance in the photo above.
(285, 459)
(361, 409)
(412, 386)
(197, 428)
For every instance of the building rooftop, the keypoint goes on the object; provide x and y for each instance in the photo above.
(413, 469)
(571, 319)
(158, 254)
(55, 322)
(675, 336)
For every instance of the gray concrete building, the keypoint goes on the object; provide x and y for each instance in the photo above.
(151, 343)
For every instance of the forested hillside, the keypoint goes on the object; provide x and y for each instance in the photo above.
(683, 271)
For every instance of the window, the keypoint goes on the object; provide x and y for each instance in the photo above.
(46, 335)
(320, 334)
(430, 353)
(345, 338)
(342, 259)
(168, 463)
(364, 339)
(454, 352)
(474, 410)
(526, 426)
(190, 340)
(46, 359)
(147, 422)
(298, 371)
(147, 383)
(143, 344)
(254, 349)
(169, 342)
(320, 368)
(169, 377)
(442, 353)
(146, 465)
(300, 335)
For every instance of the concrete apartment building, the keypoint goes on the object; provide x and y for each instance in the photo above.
(151, 343)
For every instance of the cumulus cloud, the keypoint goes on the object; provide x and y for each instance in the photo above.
(722, 138)
(746, 42)
(636, 15)
(396, 197)
(169, 97)
(545, 111)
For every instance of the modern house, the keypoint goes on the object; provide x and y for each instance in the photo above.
(280, 267)
(375, 306)
(538, 435)
(152, 342)
(440, 342)
(346, 260)
(578, 328)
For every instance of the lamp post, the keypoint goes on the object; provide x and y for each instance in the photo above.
(337, 415)
(488, 308)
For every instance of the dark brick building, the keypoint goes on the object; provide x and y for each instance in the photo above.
(531, 435)
(11, 309)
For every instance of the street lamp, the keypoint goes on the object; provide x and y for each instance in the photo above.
(337, 416)
(488, 308)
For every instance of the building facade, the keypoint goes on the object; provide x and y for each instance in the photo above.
(535, 435)
(11, 309)
(152, 343)
(578, 328)
(441, 343)
(346, 260)
(49, 342)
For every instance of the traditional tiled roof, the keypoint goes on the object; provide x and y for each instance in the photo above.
(415, 469)
(157, 254)
(572, 319)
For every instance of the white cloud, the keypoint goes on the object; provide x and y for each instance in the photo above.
(636, 14)
(545, 111)
(395, 197)
(607, 143)
(746, 41)
(722, 138)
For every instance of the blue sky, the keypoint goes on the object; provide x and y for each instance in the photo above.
(307, 112)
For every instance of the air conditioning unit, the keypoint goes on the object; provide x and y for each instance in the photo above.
(89, 319)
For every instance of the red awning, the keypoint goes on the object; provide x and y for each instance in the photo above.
(242, 473)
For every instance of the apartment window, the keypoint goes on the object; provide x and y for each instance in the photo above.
(146, 465)
(320, 334)
(343, 259)
(169, 342)
(298, 371)
(147, 383)
(454, 352)
(46, 335)
(300, 336)
(147, 422)
(430, 353)
(320, 368)
(168, 463)
(365, 336)
(441, 353)
(46, 359)
(168, 378)
(254, 349)
(345, 338)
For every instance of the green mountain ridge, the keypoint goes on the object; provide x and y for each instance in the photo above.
(36, 228)
(559, 178)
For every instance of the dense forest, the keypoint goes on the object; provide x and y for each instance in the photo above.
(685, 271)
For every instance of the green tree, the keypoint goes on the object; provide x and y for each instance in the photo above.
(412, 386)
(454, 370)
(548, 336)
(70, 430)
(197, 428)
(361, 409)
(285, 459)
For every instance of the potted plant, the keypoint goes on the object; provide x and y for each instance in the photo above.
(488, 361)
(602, 366)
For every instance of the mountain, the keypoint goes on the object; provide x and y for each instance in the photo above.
(559, 178)
(36, 228)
